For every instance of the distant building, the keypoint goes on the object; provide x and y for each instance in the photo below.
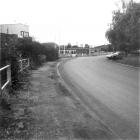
(100, 48)
(73, 51)
(21, 30)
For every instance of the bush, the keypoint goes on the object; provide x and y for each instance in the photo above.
(33, 50)
(51, 51)
(26, 48)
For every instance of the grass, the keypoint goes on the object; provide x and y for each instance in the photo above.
(132, 60)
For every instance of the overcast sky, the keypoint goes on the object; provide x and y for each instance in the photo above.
(61, 21)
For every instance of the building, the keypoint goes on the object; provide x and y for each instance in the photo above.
(73, 51)
(21, 30)
(9, 35)
(100, 48)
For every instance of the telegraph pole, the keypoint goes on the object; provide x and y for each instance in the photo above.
(64, 49)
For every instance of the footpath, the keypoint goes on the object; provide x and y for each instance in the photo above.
(45, 110)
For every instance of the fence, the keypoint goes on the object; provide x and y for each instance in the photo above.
(23, 64)
(5, 73)
(8, 77)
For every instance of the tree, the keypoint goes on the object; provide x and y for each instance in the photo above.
(34, 50)
(87, 46)
(74, 46)
(30, 49)
(69, 45)
(51, 51)
(123, 33)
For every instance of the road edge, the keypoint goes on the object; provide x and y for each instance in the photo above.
(85, 106)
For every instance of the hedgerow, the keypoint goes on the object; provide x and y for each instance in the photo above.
(26, 48)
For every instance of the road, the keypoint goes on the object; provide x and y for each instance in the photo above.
(108, 89)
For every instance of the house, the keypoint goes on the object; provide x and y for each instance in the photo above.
(21, 30)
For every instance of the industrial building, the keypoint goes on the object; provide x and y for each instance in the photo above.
(73, 51)
(21, 30)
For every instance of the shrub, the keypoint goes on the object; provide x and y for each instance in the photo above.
(25, 48)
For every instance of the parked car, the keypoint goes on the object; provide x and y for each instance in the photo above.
(114, 56)
(109, 55)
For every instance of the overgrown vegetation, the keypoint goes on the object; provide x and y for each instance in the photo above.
(26, 48)
(124, 30)
(50, 51)
(36, 51)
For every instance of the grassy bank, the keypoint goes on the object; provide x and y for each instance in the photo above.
(132, 60)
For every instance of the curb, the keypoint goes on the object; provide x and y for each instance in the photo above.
(88, 110)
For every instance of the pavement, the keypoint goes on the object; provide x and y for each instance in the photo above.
(108, 89)
(44, 109)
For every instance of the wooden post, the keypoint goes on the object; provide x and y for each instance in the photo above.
(9, 74)
(28, 62)
(0, 59)
(0, 83)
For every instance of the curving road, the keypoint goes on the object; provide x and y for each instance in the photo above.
(108, 89)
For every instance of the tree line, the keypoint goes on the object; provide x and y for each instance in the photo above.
(34, 50)
(124, 31)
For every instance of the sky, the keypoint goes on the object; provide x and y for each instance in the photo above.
(62, 21)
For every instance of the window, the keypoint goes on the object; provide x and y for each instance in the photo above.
(22, 33)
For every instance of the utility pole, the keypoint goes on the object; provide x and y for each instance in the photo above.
(59, 49)
(89, 51)
(64, 50)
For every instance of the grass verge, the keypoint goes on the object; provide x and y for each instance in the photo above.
(131, 60)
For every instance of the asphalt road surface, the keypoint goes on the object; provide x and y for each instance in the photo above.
(109, 89)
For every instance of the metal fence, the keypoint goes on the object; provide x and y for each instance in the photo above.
(7, 81)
